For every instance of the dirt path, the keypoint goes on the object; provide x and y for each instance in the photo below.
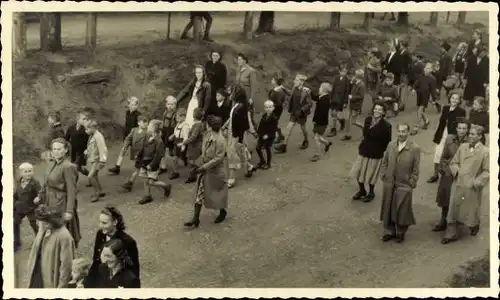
(291, 226)
(144, 27)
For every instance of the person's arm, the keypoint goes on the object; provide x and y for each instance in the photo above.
(387, 136)
(70, 175)
(220, 151)
(92, 277)
(185, 132)
(384, 164)
(133, 253)
(415, 171)
(223, 75)
(182, 94)
(455, 161)
(158, 156)
(66, 255)
(128, 140)
(483, 177)
(359, 93)
(433, 87)
(308, 102)
(253, 85)
(196, 131)
(69, 131)
(208, 97)
(102, 148)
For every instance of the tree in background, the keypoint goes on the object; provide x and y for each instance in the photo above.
(19, 36)
(403, 19)
(50, 32)
(461, 18)
(91, 32)
(248, 25)
(266, 22)
(335, 20)
(433, 20)
(367, 21)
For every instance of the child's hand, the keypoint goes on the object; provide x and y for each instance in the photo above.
(67, 216)
(349, 97)
(148, 168)
(36, 200)
(171, 138)
(265, 137)
(379, 97)
(183, 148)
(85, 152)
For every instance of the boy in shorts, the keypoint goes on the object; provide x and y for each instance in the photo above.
(320, 119)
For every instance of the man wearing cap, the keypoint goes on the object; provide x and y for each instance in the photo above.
(299, 108)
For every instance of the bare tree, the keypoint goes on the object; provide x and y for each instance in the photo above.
(248, 25)
(335, 20)
(433, 20)
(50, 31)
(91, 32)
(367, 22)
(266, 22)
(461, 17)
(403, 19)
(19, 36)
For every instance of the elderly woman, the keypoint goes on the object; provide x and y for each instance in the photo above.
(399, 174)
(216, 74)
(115, 271)
(376, 136)
(470, 168)
(49, 263)
(112, 226)
(212, 189)
(197, 93)
(451, 145)
(59, 189)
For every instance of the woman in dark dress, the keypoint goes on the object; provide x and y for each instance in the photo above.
(477, 74)
(376, 136)
(216, 74)
(116, 271)
(112, 227)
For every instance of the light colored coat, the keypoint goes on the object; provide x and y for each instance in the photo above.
(471, 172)
(57, 254)
(247, 78)
(400, 172)
(213, 161)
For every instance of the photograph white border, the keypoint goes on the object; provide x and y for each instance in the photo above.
(7, 151)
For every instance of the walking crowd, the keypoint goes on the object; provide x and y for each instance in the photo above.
(207, 126)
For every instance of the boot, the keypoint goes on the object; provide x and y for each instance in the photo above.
(474, 230)
(359, 195)
(167, 190)
(174, 175)
(342, 124)
(196, 217)
(162, 171)
(146, 200)
(114, 170)
(441, 226)
(221, 217)
(305, 145)
(434, 178)
(192, 177)
(346, 138)
(127, 186)
(280, 138)
(332, 132)
(281, 148)
(327, 146)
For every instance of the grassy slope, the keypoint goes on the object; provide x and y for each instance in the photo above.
(153, 71)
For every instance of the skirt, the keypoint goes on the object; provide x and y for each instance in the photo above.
(366, 170)
(439, 147)
(200, 191)
(148, 174)
(237, 153)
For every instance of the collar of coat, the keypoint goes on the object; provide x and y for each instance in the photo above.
(410, 145)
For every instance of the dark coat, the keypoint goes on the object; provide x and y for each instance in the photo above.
(450, 148)
(204, 95)
(23, 197)
(425, 87)
(388, 91)
(135, 140)
(445, 67)
(320, 116)
(94, 277)
(477, 76)
(449, 119)
(340, 90)
(300, 102)
(358, 95)
(268, 125)
(216, 75)
(481, 118)
(78, 139)
(194, 141)
(130, 121)
(405, 58)
(375, 139)
(125, 278)
(151, 154)
(55, 131)
(240, 120)
(279, 97)
(222, 112)
(416, 70)
(394, 65)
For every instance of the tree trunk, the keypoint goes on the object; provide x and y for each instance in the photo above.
(50, 32)
(91, 33)
(197, 28)
(367, 22)
(448, 14)
(248, 25)
(403, 19)
(19, 36)
(335, 20)
(461, 17)
(266, 22)
(434, 19)
(169, 20)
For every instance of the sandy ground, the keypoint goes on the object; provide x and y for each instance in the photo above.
(291, 226)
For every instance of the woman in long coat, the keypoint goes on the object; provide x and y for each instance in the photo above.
(400, 172)
(471, 169)
(59, 189)
(216, 74)
(477, 74)
(451, 146)
(212, 189)
(376, 136)
(112, 226)
(52, 253)
(197, 93)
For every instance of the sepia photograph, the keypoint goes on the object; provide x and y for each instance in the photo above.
(321, 147)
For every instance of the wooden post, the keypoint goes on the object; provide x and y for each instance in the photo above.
(19, 36)
(91, 32)
(433, 20)
(335, 20)
(50, 32)
(448, 17)
(197, 28)
(248, 25)
(367, 22)
(168, 24)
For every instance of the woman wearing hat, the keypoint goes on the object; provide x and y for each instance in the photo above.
(212, 188)
(49, 263)
(59, 189)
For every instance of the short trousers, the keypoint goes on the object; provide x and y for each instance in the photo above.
(422, 101)
(300, 121)
(319, 129)
(145, 173)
